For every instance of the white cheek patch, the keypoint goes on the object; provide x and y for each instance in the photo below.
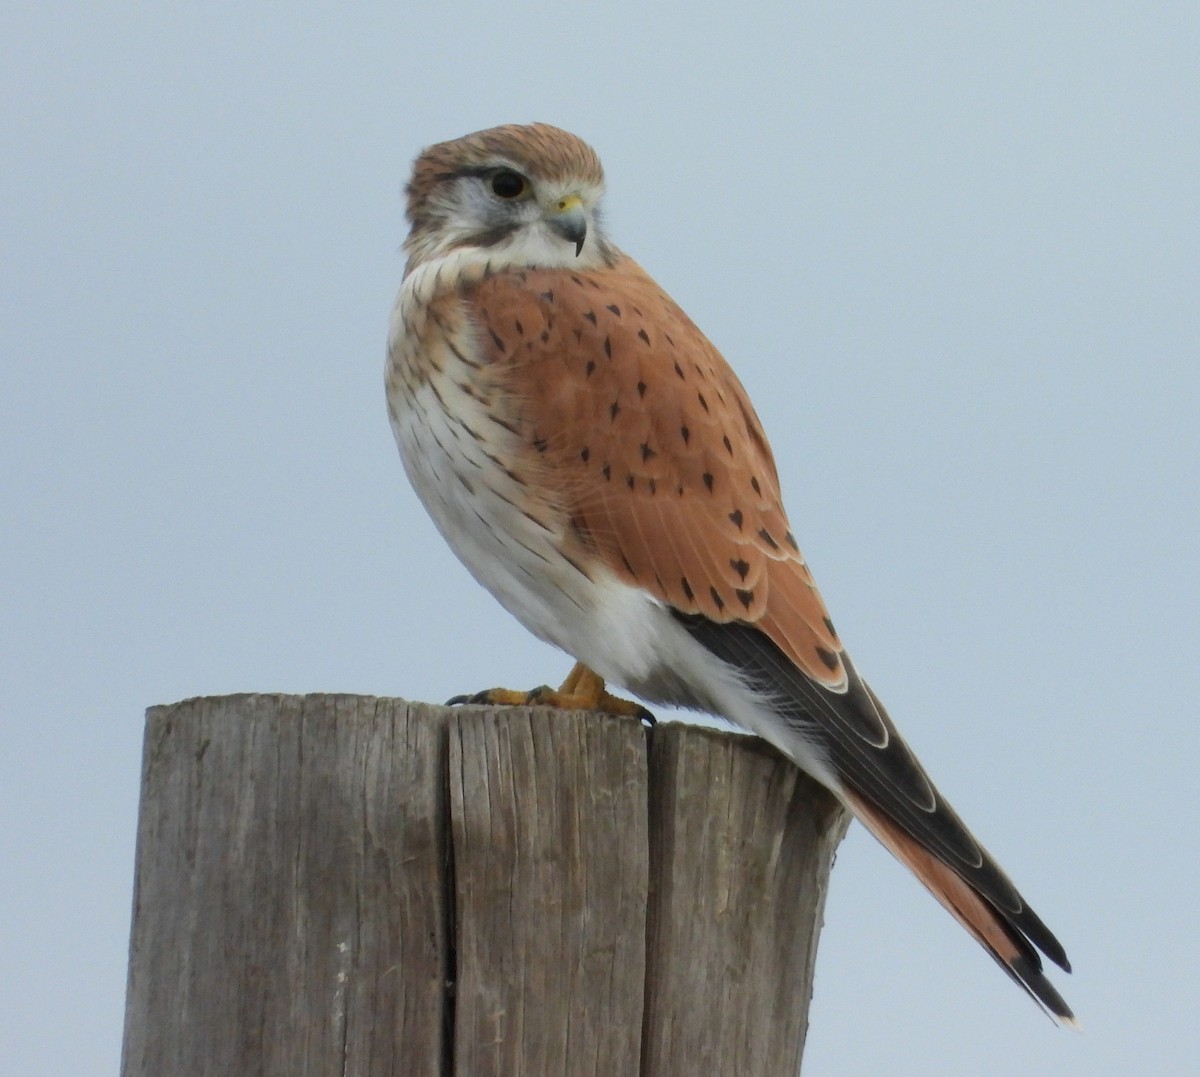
(466, 210)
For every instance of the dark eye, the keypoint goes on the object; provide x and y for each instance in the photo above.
(508, 184)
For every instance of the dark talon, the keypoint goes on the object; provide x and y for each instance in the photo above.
(477, 699)
(650, 724)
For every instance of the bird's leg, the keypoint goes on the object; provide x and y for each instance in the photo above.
(583, 690)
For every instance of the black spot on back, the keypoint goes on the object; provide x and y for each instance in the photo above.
(828, 657)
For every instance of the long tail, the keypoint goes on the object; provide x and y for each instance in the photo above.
(882, 782)
(989, 927)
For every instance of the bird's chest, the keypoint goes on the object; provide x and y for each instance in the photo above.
(463, 448)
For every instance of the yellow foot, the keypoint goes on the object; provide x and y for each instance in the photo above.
(583, 690)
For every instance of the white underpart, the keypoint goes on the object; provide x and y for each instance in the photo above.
(624, 634)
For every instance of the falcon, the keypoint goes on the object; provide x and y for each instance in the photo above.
(595, 463)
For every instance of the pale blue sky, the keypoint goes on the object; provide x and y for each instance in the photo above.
(954, 255)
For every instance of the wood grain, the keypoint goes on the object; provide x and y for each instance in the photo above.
(742, 844)
(551, 873)
(358, 886)
(290, 895)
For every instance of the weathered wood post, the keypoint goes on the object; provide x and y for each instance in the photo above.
(360, 886)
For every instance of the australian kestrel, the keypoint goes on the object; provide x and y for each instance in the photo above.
(596, 464)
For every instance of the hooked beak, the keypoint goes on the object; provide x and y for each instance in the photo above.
(569, 220)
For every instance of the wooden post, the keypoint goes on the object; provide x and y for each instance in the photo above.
(358, 886)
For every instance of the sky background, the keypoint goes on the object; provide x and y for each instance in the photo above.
(952, 251)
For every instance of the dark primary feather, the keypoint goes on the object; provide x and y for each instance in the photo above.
(872, 759)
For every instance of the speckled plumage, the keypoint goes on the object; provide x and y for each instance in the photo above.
(639, 427)
(596, 464)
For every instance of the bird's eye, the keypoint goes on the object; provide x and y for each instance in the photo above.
(508, 184)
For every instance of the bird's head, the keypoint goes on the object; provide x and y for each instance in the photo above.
(522, 195)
